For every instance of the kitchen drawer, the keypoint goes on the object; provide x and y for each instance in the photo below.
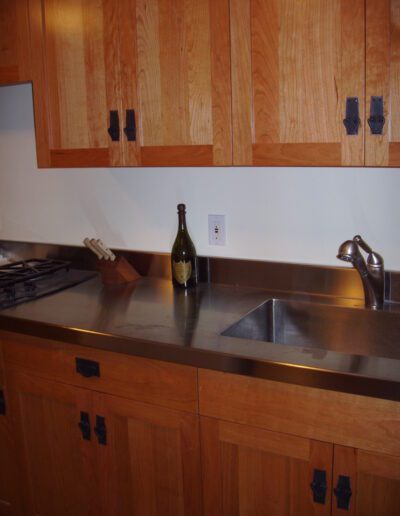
(142, 379)
(347, 419)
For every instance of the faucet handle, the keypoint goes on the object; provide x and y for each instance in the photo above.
(363, 244)
(374, 259)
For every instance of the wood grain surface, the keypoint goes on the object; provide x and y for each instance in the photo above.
(152, 381)
(15, 57)
(368, 423)
(293, 66)
(252, 471)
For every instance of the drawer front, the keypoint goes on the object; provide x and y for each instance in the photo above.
(141, 379)
(340, 418)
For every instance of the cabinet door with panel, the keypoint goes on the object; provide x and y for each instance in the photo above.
(75, 76)
(251, 471)
(150, 459)
(294, 65)
(56, 454)
(383, 82)
(9, 481)
(365, 483)
(132, 82)
(14, 42)
(179, 53)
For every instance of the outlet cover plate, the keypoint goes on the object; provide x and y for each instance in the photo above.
(216, 230)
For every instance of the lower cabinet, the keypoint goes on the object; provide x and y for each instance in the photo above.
(9, 482)
(85, 453)
(138, 437)
(366, 483)
(251, 471)
(151, 460)
(56, 460)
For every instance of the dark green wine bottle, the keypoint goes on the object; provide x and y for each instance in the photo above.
(183, 256)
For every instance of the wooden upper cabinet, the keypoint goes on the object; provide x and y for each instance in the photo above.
(293, 66)
(14, 42)
(179, 52)
(75, 57)
(162, 67)
(383, 80)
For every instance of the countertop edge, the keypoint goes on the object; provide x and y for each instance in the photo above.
(207, 359)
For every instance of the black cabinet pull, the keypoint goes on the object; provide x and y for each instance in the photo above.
(352, 121)
(319, 486)
(113, 130)
(84, 425)
(100, 430)
(376, 121)
(343, 492)
(2, 404)
(130, 129)
(87, 368)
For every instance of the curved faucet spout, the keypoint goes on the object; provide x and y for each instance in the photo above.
(371, 273)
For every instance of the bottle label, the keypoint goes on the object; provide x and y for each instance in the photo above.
(182, 271)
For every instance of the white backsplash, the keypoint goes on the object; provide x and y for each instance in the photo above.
(283, 214)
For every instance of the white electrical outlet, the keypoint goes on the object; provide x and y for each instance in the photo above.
(216, 230)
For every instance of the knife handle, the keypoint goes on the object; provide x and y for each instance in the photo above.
(103, 255)
(89, 245)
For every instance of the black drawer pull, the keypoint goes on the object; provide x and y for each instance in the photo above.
(2, 404)
(130, 129)
(84, 425)
(343, 492)
(87, 368)
(100, 430)
(113, 130)
(319, 486)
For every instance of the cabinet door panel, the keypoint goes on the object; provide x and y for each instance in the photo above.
(374, 481)
(151, 463)
(183, 81)
(383, 79)
(14, 42)
(294, 65)
(75, 49)
(10, 496)
(56, 458)
(247, 471)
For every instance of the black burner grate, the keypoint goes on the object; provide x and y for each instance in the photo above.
(25, 271)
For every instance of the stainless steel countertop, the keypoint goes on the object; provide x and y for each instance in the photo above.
(151, 319)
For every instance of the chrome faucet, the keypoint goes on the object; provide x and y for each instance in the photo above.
(372, 273)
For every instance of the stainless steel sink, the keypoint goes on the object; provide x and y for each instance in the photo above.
(313, 325)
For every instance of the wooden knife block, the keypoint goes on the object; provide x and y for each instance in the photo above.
(117, 272)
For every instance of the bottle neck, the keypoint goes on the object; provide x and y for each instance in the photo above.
(182, 221)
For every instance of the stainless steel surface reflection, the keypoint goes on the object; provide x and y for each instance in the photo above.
(346, 330)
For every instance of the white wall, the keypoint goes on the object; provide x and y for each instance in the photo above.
(284, 214)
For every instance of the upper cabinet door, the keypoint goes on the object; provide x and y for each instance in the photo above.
(179, 52)
(14, 42)
(383, 80)
(294, 64)
(76, 74)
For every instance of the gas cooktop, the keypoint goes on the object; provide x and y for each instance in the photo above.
(30, 279)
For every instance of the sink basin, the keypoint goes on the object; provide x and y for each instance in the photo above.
(297, 323)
